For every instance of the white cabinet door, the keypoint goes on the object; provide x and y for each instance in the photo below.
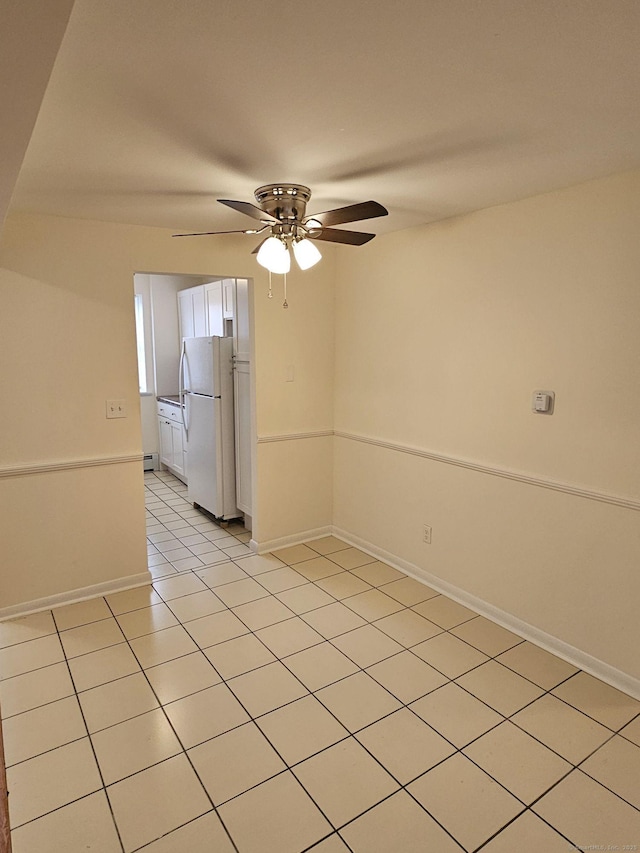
(186, 320)
(212, 294)
(166, 442)
(199, 312)
(228, 298)
(177, 448)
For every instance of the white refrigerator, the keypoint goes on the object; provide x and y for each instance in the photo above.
(206, 391)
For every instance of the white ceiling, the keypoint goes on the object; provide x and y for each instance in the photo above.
(155, 108)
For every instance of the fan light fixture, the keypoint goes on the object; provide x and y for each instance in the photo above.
(305, 253)
(274, 256)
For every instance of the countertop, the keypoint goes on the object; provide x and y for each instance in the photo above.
(172, 399)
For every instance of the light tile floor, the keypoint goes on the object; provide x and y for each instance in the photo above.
(311, 699)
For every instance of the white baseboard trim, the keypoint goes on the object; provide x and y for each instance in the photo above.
(286, 541)
(75, 595)
(599, 669)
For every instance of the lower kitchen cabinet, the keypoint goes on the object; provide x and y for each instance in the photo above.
(172, 445)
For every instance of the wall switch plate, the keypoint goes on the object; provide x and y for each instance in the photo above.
(116, 409)
(426, 534)
(543, 402)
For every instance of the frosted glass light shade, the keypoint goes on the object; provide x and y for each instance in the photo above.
(306, 254)
(274, 256)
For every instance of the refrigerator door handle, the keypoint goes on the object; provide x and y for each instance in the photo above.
(181, 390)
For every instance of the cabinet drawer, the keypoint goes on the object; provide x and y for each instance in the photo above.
(173, 413)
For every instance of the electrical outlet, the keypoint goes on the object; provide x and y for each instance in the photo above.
(116, 409)
(426, 534)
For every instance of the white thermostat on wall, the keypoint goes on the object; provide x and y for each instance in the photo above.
(542, 403)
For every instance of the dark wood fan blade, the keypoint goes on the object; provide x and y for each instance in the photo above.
(335, 235)
(350, 213)
(248, 209)
(205, 233)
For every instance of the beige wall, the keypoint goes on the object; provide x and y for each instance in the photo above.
(442, 335)
(67, 344)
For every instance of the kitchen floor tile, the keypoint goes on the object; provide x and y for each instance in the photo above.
(178, 586)
(205, 715)
(351, 558)
(344, 780)
(455, 714)
(42, 729)
(74, 615)
(632, 731)
(589, 814)
(466, 801)
(301, 728)
(132, 599)
(162, 646)
(449, 655)
(405, 745)
(333, 620)
(221, 573)
(137, 623)
(519, 762)
(86, 824)
(357, 701)
(240, 592)
(30, 655)
(277, 816)
(327, 545)
(304, 598)
(116, 701)
(568, 732)
(372, 604)
(616, 765)
(500, 688)
(127, 748)
(196, 605)
(259, 563)
(294, 554)
(598, 700)
(406, 676)
(407, 627)
(14, 631)
(103, 666)
(153, 802)
(332, 844)
(279, 580)
(91, 638)
(320, 665)
(408, 591)
(267, 688)
(367, 645)
(342, 585)
(205, 834)
(528, 834)
(288, 637)
(486, 636)
(74, 770)
(316, 569)
(185, 562)
(397, 824)
(261, 613)
(444, 611)
(216, 628)
(233, 762)
(377, 573)
(237, 656)
(181, 677)
(537, 665)
(33, 689)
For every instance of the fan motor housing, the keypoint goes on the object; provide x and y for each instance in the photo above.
(287, 202)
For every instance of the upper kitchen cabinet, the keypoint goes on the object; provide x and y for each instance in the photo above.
(208, 309)
(192, 316)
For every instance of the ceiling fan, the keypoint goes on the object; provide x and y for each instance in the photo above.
(282, 214)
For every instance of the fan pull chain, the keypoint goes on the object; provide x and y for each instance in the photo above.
(270, 294)
(285, 304)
